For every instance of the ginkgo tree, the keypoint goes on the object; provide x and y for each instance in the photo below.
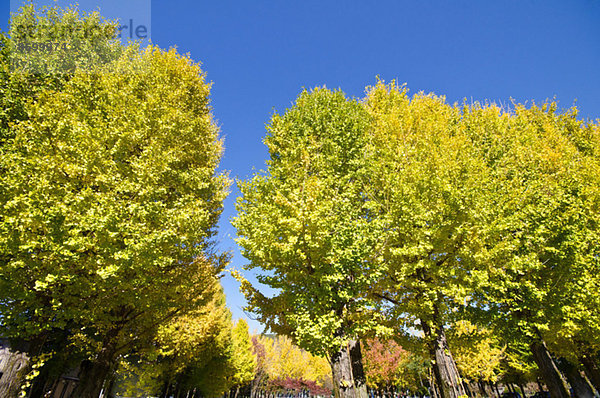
(243, 359)
(183, 352)
(108, 207)
(477, 351)
(307, 224)
(79, 40)
(285, 364)
(541, 248)
(431, 191)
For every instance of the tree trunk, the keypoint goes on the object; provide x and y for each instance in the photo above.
(481, 386)
(341, 367)
(468, 390)
(93, 374)
(165, 390)
(510, 388)
(592, 370)
(432, 385)
(110, 386)
(497, 390)
(40, 385)
(580, 386)
(358, 372)
(13, 368)
(446, 374)
(522, 390)
(552, 377)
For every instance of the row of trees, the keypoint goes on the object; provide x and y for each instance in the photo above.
(282, 367)
(109, 202)
(404, 216)
(394, 216)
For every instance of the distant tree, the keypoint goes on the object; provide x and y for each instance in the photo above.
(477, 351)
(243, 360)
(389, 367)
(183, 349)
(261, 376)
(383, 363)
(288, 366)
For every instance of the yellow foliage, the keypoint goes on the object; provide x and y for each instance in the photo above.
(476, 351)
(284, 359)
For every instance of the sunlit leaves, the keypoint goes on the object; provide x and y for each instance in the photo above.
(109, 199)
(307, 222)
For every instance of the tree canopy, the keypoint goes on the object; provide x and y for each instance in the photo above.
(109, 201)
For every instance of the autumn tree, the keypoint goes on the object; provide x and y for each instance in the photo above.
(307, 225)
(108, 207)
(541, 254)
(389, 366)
(430, 187)
(260, 379)
(478, 352)
(79, 40)
(26, 71)
(287, 366)
(183, 352)
(243, 359)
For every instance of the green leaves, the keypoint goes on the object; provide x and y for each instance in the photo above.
(306, 220)
(431, 190)
(423, 213)
(109, 198)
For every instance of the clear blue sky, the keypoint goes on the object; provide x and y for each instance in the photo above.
(260, 54)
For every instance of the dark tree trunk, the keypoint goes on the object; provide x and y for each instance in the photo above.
(42, 385)
(178, 390)
(481, 386)
(341, 367)
(552, 377)
(14, 365)
(165, 390)
(358, 372)
(580, 386)
(522, 390)
(445, 371)
(110, 386)
(93, 374)
(510, 388)
(432, 385)
(592, 370)
(468, 390)
(497, 390)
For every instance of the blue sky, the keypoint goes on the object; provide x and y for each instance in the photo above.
(260, 54)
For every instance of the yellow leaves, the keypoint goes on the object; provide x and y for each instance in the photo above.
(345, 383)
(476, 351)
(201, 333)
(284, 359)
(109, 271)
(244, 361)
